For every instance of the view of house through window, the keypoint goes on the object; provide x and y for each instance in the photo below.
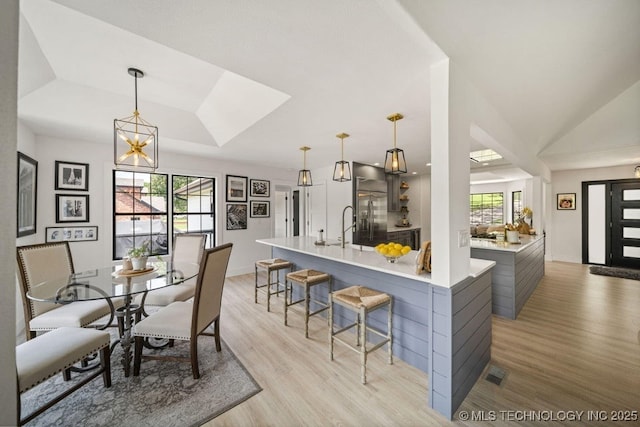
(193, 206)
(516, 205)
(140, 212)
(487, 208)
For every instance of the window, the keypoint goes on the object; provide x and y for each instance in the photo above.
(487, 208)
(140, 212)
(193, 206)
(516, 205)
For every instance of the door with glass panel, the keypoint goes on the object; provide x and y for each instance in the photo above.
(625, 225)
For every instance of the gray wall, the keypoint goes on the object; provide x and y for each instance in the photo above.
(8, 162)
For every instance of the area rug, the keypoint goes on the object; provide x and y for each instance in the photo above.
(165, 393)
(625, 273)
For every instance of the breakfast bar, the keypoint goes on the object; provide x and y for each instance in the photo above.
(518, 270)
(443, 331)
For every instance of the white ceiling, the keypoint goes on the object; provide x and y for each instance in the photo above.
(255, 80)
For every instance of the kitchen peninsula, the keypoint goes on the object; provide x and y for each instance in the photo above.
(444, 331)
(519, 268)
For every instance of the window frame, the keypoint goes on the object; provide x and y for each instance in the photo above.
(494, 219)
(211, 234)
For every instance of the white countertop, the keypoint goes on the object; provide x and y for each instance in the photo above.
(492, 244)
(366, 258)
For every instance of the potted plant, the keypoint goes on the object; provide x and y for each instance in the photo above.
(138, 256)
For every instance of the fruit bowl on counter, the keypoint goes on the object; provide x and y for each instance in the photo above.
(392, 251)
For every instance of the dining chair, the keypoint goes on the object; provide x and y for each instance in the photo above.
(40, 262)
(184, 321)
(48, 354)
(187, 248)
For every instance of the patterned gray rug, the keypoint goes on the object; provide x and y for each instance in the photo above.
(625, 273)
(165, 393)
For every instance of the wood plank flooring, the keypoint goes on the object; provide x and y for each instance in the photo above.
(574, 347)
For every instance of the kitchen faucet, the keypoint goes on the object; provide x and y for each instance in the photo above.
(353, 225)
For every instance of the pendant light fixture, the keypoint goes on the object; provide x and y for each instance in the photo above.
(637, 171)
(394, 162)
(304, 176)
(342, 171)
(135, 141)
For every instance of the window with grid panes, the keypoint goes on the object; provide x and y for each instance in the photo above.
(193, 206)
(140, 205)
(487, 208)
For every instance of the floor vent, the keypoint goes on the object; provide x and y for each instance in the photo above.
(495, 375)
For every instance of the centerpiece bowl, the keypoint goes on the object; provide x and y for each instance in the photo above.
(392, 251)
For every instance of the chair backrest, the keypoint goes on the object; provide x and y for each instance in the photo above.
(188, 248)
(38, 263)
(208, 297)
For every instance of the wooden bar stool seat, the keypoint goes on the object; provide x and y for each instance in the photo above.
(273, 265)
(306, 278)
(362, 301)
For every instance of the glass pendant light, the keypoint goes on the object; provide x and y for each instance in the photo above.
(394, 162)
(342, 171)
(135, 141)
(304, 175)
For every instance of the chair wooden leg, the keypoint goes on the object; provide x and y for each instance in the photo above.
(216, 329)
(137, 355)
(66, 374)
(105, 361)
(194, 359)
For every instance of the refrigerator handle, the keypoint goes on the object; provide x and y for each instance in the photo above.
(371, 219)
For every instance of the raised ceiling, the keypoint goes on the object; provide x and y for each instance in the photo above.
(254, 81)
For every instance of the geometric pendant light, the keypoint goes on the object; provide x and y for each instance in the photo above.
(342, 170)
(394, 162)
(135, 141)
(304, 175)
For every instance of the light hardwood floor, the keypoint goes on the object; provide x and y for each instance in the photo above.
(574, 347)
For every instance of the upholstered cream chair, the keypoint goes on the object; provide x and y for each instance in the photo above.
(40, 262)
(187, 248)
(53, 352)
(184, 321)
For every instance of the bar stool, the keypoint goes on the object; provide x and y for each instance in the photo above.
(362, 301)
(271, 266)
(306, 278)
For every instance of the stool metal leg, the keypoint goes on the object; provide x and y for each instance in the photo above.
(363, 340)
(307, 290)
(331, 324)
(389, 333)
(256, 286)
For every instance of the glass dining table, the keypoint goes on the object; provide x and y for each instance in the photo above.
(125, 290)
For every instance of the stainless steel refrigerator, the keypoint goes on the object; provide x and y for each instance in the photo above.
(371, 211)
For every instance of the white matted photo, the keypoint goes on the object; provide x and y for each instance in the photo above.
(72, 208)
(259, 188)
(259, 209)
(72, 176)
(71, 234)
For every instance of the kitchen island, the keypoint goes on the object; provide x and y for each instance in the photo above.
(519, 268)
(444, 331)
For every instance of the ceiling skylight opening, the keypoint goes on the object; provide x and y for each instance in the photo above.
(484, 156)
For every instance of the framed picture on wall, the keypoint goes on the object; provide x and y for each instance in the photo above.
(566, 201)
(72, 208)
(259, 209)
(27, 195)
(259, 188)
(71, 234)
(236, 188)
(72, 176)
(236, 216)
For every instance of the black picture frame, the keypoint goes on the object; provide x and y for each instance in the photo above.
(72, 234)
(236, 188)
(72, 208)
(236, 216)
(27, 195)
(566, 201)
(260, 209)
(72, 176)
(259, 188)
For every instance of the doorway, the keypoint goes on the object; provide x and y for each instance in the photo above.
(286, 212)
(625, 225)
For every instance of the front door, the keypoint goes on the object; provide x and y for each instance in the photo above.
(625, 225)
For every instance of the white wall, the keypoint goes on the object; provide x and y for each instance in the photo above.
(564, 231)
(99, 157)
